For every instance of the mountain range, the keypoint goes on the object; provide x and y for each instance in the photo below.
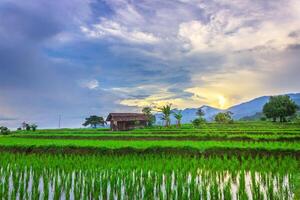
(243, 110)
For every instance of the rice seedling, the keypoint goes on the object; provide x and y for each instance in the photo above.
(146, 176)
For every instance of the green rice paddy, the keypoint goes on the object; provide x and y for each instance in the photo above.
(216, 161)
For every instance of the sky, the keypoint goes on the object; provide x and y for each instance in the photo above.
(76, 58)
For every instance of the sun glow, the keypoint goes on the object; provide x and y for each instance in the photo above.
(222, 101)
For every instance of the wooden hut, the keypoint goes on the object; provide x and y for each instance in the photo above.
(126, 121)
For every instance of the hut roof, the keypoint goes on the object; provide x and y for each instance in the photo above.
(126, 117)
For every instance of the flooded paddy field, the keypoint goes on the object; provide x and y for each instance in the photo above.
(147, 176)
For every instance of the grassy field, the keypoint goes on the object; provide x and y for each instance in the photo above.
(216, 161)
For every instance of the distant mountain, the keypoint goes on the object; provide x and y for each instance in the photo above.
(210, 112)
(256, 117)
(256, 105)
(249, 108)
(295, 97)
(243, 110)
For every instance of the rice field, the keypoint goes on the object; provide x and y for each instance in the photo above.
(148, 176)
(142, 145)
(217, 161)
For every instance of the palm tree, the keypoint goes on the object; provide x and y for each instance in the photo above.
(166, 111)
(178, 117)
(94, 121)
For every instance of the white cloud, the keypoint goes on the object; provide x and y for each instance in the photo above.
(231, 50)
(108, 28)
(90, 84)
(225, 32)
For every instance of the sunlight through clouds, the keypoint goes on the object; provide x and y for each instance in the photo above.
(121, 55)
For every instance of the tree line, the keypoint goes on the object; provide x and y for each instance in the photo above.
(278, 108)
(24, 126)
(167, 111)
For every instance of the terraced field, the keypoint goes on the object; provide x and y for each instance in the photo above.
(215, 161)
(267, 137)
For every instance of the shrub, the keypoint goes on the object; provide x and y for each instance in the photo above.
(33, 127)
(263, 119)
(197, 122)
(4, 130)
(224, 118)
(296, 118)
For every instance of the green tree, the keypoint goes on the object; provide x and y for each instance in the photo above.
(280, 107)
(94, 121)
(27, 127)
(33, 127)
(166, 111)
(151, 118)
(178, 117)
(224, 117)
(4, 130)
